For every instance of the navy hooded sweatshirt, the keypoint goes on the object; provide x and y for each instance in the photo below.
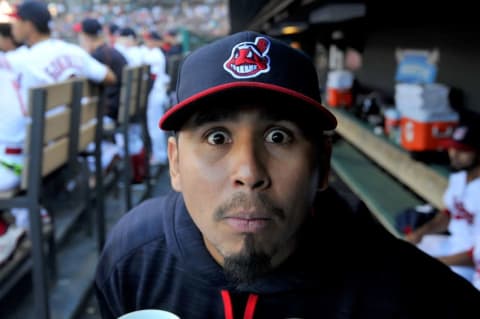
(346, 266)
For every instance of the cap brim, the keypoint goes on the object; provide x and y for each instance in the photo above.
(176, 116)
(450, 143)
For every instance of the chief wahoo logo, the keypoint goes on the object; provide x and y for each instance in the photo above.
(249, 59)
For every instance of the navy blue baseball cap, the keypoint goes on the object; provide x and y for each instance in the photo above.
(251, 66)
(91, 26)
(128, 32)
(113, 28)
(153, 35)
(36, 12)
(465, 137)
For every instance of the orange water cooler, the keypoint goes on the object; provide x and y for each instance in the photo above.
(426, 132)
(339, 88)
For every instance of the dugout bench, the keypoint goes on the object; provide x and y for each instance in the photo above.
(383, 175)
(136, 84)
(56, 136)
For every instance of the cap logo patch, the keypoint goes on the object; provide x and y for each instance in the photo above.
(459, 133)
(249, 59)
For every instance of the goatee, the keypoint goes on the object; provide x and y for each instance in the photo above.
(248, 265)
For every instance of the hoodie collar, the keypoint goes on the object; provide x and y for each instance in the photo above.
(296, 272)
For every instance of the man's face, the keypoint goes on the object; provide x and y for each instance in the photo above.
(462, 159)
(20, 30)
(151, 43)
(126, 41)
(248, 181)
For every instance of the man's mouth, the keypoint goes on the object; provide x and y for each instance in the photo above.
(248, 224)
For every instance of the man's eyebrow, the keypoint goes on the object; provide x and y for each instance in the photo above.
(217, 115)
(211, 117)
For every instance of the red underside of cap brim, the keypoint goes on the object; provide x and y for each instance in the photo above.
(170, 119)
(457, 145)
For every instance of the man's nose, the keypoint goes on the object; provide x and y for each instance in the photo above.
(250, 166)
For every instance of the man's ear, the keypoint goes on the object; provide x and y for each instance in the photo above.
(324, 157)
(173, 158)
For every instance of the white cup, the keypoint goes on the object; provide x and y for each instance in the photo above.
(149, 314)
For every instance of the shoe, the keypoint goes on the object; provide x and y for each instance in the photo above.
(22, 219)
(11, 165)
(110, 152)
(9, 242)
(108, 124)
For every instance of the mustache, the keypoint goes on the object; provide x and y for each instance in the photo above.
(242, 201)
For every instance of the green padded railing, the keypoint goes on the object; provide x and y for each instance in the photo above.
(384, 195)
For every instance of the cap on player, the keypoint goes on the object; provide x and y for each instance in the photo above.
(90, 26)
(128, 32)
(35, 12)
(113, 28)
(464, 137)
(250, 67)
(152, 35)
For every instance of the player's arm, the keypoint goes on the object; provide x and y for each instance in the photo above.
(437, 224)
(110, 77)
(460, 259)
(95, 70)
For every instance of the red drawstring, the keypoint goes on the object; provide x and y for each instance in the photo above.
(249, 309)
(227, 304)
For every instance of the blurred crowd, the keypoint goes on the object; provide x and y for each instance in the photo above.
(207, 20)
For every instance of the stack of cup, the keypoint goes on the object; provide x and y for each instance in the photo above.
(392, 124)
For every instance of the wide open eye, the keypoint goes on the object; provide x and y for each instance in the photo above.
(278, 136)
(218, 137)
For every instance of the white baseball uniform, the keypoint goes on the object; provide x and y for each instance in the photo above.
(476, 250)
(13, 108)
(157, 102)
(48, 61)
(57, 60)
(462, 199)
(13, 111)
(133, 54)
(476, 255)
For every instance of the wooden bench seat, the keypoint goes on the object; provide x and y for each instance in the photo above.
(133, 110)
(63, 121)
(381, 173)
(383, 194)
(426, 181)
